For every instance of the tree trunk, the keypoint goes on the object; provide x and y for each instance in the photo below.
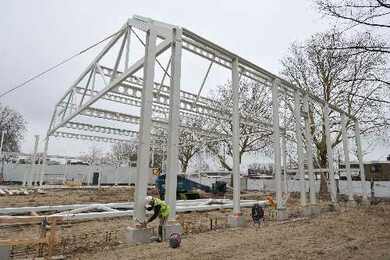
(184, 166)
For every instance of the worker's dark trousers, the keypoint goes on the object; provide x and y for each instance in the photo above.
(163, 221)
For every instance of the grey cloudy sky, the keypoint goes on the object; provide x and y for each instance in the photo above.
(37, 34)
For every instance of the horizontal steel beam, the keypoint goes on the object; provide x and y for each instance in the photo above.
(189, 102)
(91, 137)
(132, 119)
(207, 49)
(100, 129)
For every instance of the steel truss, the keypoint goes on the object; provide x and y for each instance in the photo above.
(83, 212)
(167, 106)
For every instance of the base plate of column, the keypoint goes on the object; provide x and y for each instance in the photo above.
(365, 202)
(138, 235)
(281, 214)
(351, 203)
(315, 210)
(170, 228)
(311, 210)
(236, 220)
(5, 252)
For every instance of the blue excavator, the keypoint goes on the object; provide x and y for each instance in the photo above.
(186, 188)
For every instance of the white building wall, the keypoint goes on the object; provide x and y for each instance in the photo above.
(59, 173)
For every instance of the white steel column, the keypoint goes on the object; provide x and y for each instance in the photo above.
(33, 159)
(127, 53)
(309, 151)
(284, 147)
(284, 159)
(90, 173)
(236, 137)
(46, 147)
(130, 173)
(329, 154)
(65, 171)
(1, 156)
(346, 155)
(360, 158)
(276, 142)
(44, 162)
(173, 124)
(100, 176)
(145, 126)
(116, 174)
(2, 141)
(298, 132)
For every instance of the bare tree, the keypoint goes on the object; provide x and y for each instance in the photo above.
(190, 142)
(254, 102)
(368, 13)
(13, 125)
(368, 17)
(124, 152)
(322, 66)
(94, 155)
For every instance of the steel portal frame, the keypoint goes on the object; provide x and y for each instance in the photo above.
(164, 106)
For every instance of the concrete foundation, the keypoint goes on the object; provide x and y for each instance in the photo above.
(171, 228)
(315, 210)
(333, 206)
(5, 252)
(365, 203)
(281, 214)
(136, 235)
(236, 221)
(306, 211)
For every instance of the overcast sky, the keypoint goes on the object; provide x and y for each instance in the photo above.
(37, 34)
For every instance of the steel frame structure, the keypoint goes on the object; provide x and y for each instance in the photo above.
(164, 106)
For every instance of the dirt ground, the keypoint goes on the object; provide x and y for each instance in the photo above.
(362, 233)
(69, 196)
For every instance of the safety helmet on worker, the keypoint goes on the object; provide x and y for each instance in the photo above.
(148, 202)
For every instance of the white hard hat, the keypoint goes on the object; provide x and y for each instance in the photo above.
(148, 201)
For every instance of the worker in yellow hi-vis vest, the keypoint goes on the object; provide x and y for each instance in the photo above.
(161, 210)
(272, 205)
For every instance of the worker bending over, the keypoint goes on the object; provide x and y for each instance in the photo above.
(161, 210)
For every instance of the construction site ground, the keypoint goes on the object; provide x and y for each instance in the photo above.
(357, 233)
(362, 233)
(69, 196)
